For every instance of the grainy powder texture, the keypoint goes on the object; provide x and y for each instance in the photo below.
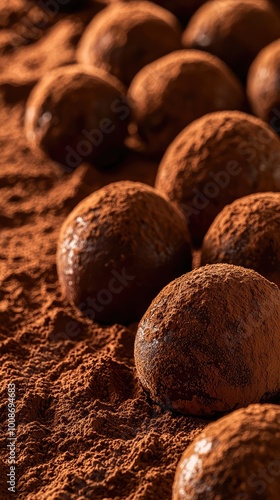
(85, 427)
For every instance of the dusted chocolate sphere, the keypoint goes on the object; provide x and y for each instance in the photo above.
(209, 342)
(170, 93)
(263, 85)
(247, 233)
(234, 30)
(118, 248)
(126, 36)
(235, 458)
(218, 158)
(75, 114)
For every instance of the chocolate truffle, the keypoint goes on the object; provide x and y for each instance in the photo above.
(209, 342)
(76, 113)
(247, 233)
(170, 93)
(117, 250)
(263, 87)
(234, 30)
(235, 458)
(124, 37)
(217, 159)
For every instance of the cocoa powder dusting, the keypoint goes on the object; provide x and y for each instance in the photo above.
(85, 427)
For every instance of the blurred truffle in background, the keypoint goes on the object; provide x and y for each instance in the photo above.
(125, 37)
(233, 30)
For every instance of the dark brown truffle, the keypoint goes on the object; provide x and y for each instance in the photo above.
(218, 158)
(209, 343)
(118, 248)
(123, 38)
(233, 30)
(170, 93)
(247, 233)
(75, 114)
(235, 458)
(263, 85)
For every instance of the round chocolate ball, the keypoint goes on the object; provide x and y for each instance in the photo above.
(124, 37)
(247, 233)
(117, 250)
(263, 86)
(76, 113)
(209, 342)
(234, 30)
(170, 93)
(235, 458)
(217, 159)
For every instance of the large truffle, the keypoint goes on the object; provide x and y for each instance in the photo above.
(218, 158)
(263, 85)
(170, 93)
(75, 114)
(118, 248)
(233, 30)
(247, 233)
(125, 37)
(209, 342)
(235, 458)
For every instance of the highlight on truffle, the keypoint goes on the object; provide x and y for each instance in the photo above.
(124, 37)
(204, 346)
(237, 457)
(173, 91)
(215, 160)
(183, 9)
(233, 30)
(76, 113)
(118, 248)
(247, 233)
(263, 86)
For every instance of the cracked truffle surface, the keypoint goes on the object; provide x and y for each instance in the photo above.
(125, 37)
(170, 93)
(233, 30)
(117, 250)
(209, 343)
(75, 114)
(217, 159)
(237, 457)
(247, 233)
(263, 87)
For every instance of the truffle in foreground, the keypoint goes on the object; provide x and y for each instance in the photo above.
(235, 458)
(118, 248)
(247, 233)
(209, 343)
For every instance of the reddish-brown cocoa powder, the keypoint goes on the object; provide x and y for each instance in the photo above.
(85, 427)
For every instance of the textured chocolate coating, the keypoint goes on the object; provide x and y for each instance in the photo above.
(263, 86)
(209, 342)
(118, 248)
(234, 30)
(124, 37)
(170, 93)
(217, 159)
(247, 233)
(235, 458)
(77, 113)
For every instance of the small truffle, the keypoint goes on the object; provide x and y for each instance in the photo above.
(117, 250)
(75, 114)
(263, 87)
(235, 458)
(124, 37)
(217, 159)
(233, 30)
(247, 233)
(209, 342)
(170, 93)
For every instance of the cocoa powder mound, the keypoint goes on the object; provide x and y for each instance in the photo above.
(85, 428)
